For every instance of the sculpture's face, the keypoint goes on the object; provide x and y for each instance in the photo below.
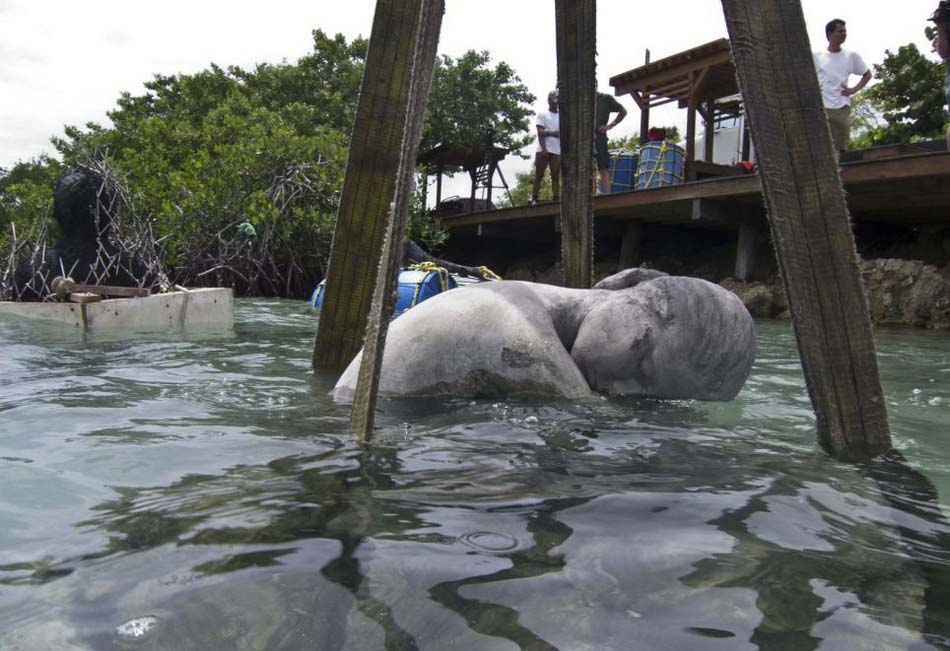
(615, 343)
(671, 337)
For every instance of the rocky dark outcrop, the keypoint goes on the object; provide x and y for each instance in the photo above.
(907, 292)
(900, 292)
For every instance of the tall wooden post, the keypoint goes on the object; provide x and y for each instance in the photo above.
(710, 132)
(421, 66)
(644, 108)
(438, 187)
(577, 87)
(810, 225)
(369, 184)
(691, 105)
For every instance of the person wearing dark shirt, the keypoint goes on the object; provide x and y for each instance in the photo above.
(605, 105)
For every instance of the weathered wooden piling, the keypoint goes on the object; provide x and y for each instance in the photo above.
(421, 65)
(576, 24)
(369, 184)
(809, 220)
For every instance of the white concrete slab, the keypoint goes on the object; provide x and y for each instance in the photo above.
(177, 311)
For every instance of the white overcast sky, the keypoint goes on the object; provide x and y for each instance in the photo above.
(67, 62)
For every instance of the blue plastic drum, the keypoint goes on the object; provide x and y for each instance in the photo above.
(660, 164)
(415, 286)
(623, 171)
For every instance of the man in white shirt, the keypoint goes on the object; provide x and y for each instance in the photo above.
(549, 149)
(835, 67)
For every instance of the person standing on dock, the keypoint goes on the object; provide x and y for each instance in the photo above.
(604, 106)
(835, 66)
(549, 149)
(942, 19)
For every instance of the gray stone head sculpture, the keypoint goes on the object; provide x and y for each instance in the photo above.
(669, 337)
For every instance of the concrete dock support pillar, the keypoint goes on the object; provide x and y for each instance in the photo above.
(630, 246)
(745, 252)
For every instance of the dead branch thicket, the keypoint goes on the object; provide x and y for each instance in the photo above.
(284, 259)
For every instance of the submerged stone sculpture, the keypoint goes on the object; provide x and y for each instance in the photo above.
(638, 333)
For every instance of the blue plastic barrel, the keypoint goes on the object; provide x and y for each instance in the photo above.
(623, 171)
(415, 286)
(661, 163)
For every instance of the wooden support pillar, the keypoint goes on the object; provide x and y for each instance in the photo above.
(369, 184)
(645, 108)
(630, 246)
(577, 87)
(473, 177)
(421, 64)
(491, 181)
(810, 225)
(691, 134)
(710, 131)
(745, 252)
(438, 187)
(746, 140)
(425, 187)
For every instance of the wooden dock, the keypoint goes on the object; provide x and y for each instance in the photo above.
(905, 185)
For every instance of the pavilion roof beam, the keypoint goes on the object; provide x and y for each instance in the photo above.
(628, 82)
(674, 88)
(660, 101)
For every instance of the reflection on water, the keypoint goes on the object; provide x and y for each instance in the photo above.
(204, 494)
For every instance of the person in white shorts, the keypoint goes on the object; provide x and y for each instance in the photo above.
(549, 149)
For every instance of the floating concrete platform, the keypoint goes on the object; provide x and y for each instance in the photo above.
(176, 311)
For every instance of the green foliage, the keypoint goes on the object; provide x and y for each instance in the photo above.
(469, 98)
(26, 195)
(423, 228)
(320, 90)
(906, 105)
(200, 154)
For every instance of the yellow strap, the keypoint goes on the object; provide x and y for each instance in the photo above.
(415, 295)
(430, 267)
(656, 164)
(488, 274)
(424, 266)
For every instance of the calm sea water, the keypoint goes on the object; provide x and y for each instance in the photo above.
(160, 493)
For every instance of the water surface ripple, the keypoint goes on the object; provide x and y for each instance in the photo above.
(204, 493)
